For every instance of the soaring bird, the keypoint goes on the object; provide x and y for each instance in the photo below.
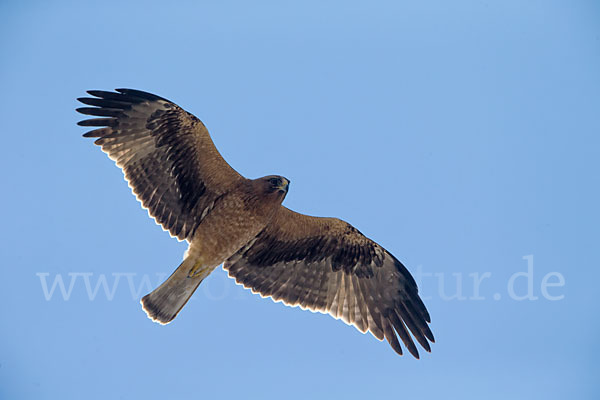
(321, 264)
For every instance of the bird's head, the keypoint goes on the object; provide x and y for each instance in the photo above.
(275, 185)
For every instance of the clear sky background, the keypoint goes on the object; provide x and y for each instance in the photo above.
(463, 136)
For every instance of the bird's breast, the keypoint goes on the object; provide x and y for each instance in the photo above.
(231, 224)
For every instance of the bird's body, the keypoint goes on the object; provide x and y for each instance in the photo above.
(220, 233)
(323, 264)
(214, 240)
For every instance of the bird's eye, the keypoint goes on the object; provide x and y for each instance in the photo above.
(274, 181)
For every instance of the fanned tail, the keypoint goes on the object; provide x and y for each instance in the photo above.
(164, 303)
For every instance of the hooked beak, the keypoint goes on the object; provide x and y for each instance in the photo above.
(285, 185)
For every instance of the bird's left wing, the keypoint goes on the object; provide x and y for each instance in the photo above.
(326, 265)
(166, 154)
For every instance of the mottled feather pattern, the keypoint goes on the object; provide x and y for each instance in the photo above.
(166, 154)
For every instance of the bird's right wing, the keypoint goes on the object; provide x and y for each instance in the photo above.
(326, 265)
(166, 154)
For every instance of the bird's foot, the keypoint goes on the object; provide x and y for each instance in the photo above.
(197, 269)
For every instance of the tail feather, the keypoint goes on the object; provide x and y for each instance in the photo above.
(164, 303)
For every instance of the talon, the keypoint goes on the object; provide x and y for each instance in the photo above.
(196, 270)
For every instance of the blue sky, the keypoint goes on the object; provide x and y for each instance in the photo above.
(462, 136)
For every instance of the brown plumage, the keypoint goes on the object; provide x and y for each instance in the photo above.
(323, 264)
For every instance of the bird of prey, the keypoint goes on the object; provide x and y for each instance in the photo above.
(323, 264)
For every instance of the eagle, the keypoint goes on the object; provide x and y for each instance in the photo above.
(322, 264)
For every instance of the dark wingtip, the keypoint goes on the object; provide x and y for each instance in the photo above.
(412, 349)
(96, 92)
(429, 335)
(426, 316)
(83, 110)
(97, 122)
(124, 95)
(90, 134)
(414, 352)
(105, 95)
(100, 111)
(390, 336)
(141, 94)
